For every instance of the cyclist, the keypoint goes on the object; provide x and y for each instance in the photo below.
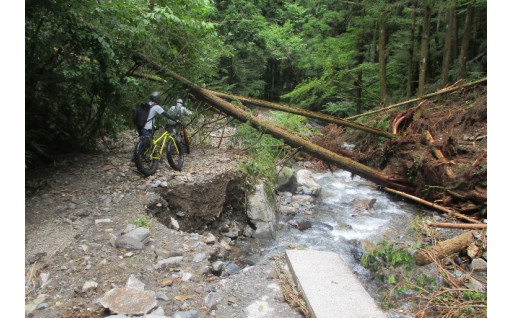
(179, 110)
(155, 109)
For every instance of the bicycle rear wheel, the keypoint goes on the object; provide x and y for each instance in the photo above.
(143, 161)
(175, 154)
(186, 139)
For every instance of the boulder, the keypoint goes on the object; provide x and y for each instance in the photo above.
(261, 211)
(129, 301)
(286, 180)
(307, 182)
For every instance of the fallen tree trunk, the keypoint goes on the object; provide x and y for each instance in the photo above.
(290, 139)
(303, 112)
(459, 225)
(445, 248)
(432, 205)
(440, 92)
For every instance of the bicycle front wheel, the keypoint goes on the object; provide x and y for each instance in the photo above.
(175, 154)
(143, 161)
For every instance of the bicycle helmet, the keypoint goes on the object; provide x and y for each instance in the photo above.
(155, 97)
(179, 101)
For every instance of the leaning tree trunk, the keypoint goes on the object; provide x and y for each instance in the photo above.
(465, 43)
(289, 138)
(424, 51)
(382, 59)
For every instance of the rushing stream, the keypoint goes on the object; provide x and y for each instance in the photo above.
(389, 218)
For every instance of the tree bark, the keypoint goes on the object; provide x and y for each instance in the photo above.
(445, 248)
(382, 59)
(465, 43)
(447, 45)
(424, 51)
(459, 225)
(432, 205)
(437, 153)
(411, 55)
(289, 138)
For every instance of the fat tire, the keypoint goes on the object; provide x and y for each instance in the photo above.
(175, 159)
(143, 161)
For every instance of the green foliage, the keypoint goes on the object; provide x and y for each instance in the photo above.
(264, 151)
(386, 255)
(141, 222)
(77, 57)
(291, 122)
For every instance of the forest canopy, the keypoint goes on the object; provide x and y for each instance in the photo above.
(336, 57)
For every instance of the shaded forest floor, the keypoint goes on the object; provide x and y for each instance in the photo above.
(457, 123)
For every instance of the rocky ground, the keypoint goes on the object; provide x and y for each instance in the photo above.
(88, 235)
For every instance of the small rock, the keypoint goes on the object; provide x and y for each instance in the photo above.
(161, 296)
(209, 238)
(199, 257)
(42, 306)
(185, 314)
(232, 300)
(232, 268)
(186, 276)
(210, 301)
(89, 285)
(479, 265)
(99, 221)
(174, 223)
(41, 298)
(166, 282)
(169, 261)
(133, 282)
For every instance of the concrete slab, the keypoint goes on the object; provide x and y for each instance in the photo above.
(329, 287)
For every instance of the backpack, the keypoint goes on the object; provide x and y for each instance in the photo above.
(140, 115)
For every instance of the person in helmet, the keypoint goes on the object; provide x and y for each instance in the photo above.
(154, 110)
(179, 110)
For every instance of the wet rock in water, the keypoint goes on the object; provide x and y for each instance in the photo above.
(129, 301)
(287, 209)
(301, 224)
(366, 204)
(307, 182)
(286, 180)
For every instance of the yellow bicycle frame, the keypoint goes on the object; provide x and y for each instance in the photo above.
(156, 153)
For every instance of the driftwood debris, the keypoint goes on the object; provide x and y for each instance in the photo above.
(445, 248)
(459, 225)
(432, 205)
